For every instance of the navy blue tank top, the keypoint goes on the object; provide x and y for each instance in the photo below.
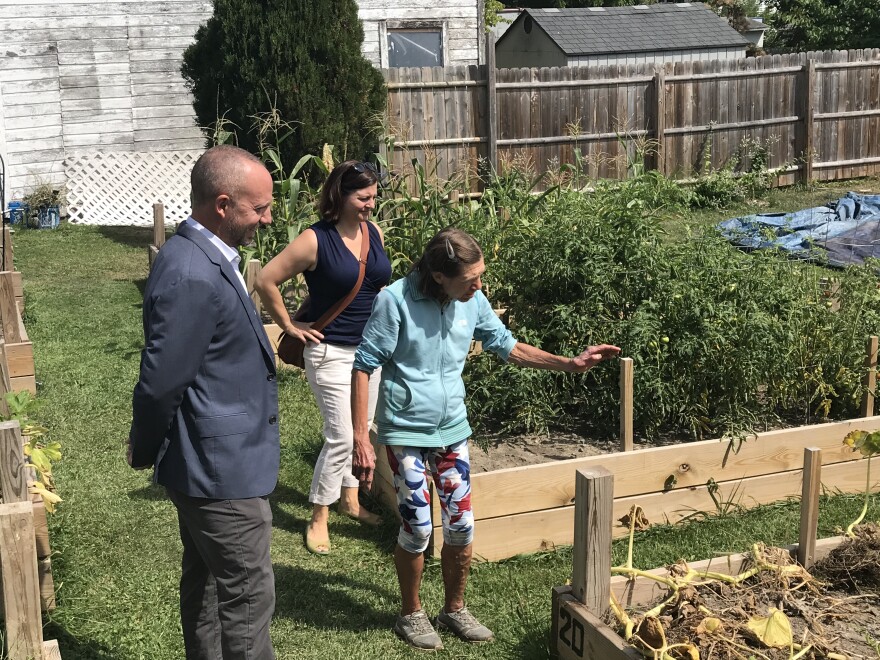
(334, 276)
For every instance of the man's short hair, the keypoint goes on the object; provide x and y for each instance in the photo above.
(218, 171)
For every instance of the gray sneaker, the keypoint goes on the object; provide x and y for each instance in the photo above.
(465, 625)
(416, 630)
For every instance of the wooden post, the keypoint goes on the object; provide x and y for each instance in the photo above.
(7, 249)
(158, 225)
(591, 557)
(8, 309)
(870, 379)
(491, 106)
(250, 279)
(21, 592)
(13, 476)
(809, 506)
(626, 404)
(659, 118)
(808, 78)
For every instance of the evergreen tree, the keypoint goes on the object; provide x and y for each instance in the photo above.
(301, 58)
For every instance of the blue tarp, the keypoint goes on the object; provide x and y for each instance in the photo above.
(840, 233)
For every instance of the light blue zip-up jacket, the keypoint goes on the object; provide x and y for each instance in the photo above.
(421, 347)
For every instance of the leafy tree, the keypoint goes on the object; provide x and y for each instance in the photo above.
(799, 25)
(297, 59)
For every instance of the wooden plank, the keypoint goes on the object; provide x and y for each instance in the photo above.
(41, 528)
(20, 359)
(551, 485)
(807, 110)
(13, 473)
(626, 404)
(583, 636)
(23, 384)
(870, 379)
(47, 584)
(809, 506)
(659, 120)
(506, 536)
(8, 311)
(591, 555)
(21, 595)
(51, 650)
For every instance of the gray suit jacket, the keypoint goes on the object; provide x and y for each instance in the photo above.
(205, 410)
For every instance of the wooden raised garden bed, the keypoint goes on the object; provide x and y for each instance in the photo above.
(581, 610)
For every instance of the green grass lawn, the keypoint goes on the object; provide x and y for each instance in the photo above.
(114, 538)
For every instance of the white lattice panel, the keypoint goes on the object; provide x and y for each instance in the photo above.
(120, 188)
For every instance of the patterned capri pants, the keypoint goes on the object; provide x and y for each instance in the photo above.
(450, 468)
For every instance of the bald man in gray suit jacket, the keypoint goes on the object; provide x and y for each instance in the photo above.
(205, 410)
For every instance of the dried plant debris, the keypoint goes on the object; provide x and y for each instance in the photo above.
(773, 610)
(855, 564)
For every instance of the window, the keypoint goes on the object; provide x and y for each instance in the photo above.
(415, 47)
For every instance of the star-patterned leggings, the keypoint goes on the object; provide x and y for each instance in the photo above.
(450, 468)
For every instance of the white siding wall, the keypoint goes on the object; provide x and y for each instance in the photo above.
(459, 20)
(79, 76)
(104, 75)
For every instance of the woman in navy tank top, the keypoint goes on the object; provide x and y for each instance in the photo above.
(327, 254)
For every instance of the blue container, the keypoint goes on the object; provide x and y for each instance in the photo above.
(49, 218)
(18, 212)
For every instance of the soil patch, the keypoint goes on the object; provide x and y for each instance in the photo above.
(496, 452)
(834, 609)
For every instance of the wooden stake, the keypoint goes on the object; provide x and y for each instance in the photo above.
(591, 560)
(158, 225)
(870, 380)
(250, 279)
(806, 553)
(491, 106)
(21, 591)
(626, 404)
(8, 309)
(13, 476)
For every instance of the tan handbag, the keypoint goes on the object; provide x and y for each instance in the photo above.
(290, 349)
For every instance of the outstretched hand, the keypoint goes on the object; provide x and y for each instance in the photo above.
(593, 356)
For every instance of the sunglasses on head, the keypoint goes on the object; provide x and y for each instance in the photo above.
(365, 166)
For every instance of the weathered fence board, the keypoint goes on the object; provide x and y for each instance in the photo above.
(709, 109)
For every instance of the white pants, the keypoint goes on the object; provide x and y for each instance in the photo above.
(328, 368)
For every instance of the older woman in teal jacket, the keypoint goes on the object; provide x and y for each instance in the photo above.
(419, 333)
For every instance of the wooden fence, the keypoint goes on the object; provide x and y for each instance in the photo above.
(26, 582)
(818, 114)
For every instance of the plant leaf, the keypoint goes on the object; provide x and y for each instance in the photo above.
(50, 499)
(709, 626)
(773, 630)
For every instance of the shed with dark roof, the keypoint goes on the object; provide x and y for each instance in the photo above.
(618, 35)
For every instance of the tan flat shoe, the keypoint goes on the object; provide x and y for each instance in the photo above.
(317, 546)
